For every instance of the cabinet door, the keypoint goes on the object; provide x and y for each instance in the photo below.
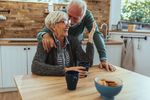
(31, 53)
(0, 69)
(14, 62)
(96, 60)
(114, 54)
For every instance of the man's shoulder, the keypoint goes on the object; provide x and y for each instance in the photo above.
(88, 12)
(88, 15)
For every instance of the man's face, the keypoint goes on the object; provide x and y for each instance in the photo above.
(75, 15)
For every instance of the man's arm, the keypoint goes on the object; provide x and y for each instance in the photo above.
(98, 36)
(45, 36)
(43, 31)
(99, 43)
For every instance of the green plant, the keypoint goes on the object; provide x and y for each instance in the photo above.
(138, 11)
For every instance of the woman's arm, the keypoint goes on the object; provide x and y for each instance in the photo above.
(40, 67)
(98, 36)
(88, 55)
(79, 54)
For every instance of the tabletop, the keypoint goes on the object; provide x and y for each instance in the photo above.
(34, 87)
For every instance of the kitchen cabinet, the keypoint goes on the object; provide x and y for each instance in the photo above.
(30, 54)
(16, 60)
(113, 54)
(141, 51)
(0, 69)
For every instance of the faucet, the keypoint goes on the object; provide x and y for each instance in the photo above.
(106, 27)
(106, 36)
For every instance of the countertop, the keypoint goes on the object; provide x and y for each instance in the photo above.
(34, 42)
(136, 31)
(34, 87)
(18, 42)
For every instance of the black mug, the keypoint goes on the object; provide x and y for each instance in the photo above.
(72, 79)
(85, 64)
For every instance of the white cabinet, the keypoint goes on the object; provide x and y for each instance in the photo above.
(113, 54)
(0, 69)
(141, 51)
(16, 60)
(30, 54)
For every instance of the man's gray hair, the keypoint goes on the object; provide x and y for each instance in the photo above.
(81, 4)
(54, 17)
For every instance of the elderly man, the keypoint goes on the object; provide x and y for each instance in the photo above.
(81, 18)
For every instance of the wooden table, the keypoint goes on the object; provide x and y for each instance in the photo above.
(33, 87)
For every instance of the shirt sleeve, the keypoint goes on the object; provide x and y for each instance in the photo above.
(41, 68)
(98, 36)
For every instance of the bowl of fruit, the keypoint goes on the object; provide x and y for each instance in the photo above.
(108, 87)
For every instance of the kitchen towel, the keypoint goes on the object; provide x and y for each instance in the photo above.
(127, 57)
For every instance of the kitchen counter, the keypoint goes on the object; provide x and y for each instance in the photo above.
(18, 42)
(34, 87)
(136, 31)
(107, 42)
(34, 42)
(113, 42)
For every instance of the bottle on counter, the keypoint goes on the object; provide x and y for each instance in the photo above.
(119, 26)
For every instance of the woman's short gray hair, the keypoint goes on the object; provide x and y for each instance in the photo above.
(53, 17)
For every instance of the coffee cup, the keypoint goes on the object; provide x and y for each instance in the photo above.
(72, 79)
(85, 64)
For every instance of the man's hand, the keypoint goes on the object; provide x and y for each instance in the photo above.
(80, 69)
(48, 42)
(107, 66)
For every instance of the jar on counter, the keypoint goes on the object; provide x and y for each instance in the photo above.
(119, 26)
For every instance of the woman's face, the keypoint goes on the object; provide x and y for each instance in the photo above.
(61, 28)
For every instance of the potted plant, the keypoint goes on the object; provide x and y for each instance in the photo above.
(136, 13)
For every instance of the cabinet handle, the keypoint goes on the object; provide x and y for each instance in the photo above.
(25, 49)
(28, 48)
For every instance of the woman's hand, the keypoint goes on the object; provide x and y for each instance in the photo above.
(80, 69)
(90, 35)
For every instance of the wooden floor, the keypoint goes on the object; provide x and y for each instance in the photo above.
(9, 96)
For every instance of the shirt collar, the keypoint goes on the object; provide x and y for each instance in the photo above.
(58, 42)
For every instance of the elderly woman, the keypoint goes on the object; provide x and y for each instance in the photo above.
(68, 50)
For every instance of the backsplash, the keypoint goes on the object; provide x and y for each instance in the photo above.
(100, 10)
(25, 19)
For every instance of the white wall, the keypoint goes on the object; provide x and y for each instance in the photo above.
(115, 11)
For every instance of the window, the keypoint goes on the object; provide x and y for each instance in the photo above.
(136, 11)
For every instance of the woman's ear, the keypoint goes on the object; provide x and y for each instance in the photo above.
(53, 28)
